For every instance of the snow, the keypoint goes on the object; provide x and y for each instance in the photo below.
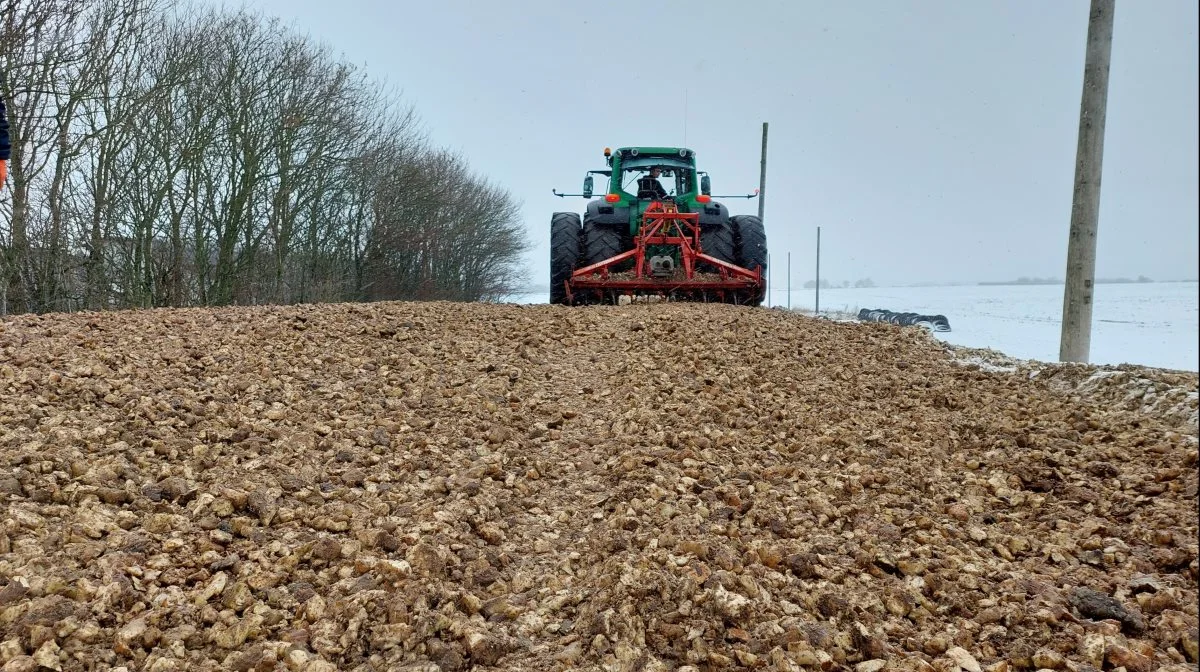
(1149, 324)
(987, 365)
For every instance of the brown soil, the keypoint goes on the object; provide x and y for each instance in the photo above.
(668, 487)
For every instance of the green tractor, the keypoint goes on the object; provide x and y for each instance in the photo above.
(643, 238)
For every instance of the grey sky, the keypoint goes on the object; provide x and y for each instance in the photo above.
(932, 141)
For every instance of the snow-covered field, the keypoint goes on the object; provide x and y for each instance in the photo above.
(1153, 324)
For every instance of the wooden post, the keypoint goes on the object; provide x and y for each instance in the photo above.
(1076, 341)
(789, 281)
(762, 175)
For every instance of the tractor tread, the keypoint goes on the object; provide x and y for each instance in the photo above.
(601, 241)
(750, 242)
(565, 243)
(718, 241)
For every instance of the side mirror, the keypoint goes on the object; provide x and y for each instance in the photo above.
(705, 186)
(587, 187)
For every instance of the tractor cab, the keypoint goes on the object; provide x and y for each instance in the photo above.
(677, 174)
(675, 179)
(689, 188)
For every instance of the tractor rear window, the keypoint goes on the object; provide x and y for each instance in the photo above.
(676, 176)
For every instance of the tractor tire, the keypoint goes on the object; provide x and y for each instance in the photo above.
(717, 240)
(602, 241)
(565, 234)
(751, 245)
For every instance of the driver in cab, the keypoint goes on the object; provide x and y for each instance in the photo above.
(650, 187)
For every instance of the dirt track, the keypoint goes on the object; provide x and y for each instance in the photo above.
(453, 487)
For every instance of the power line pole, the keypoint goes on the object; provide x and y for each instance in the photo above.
(817, 311)
(1076, 342)
(768, 287)
(762, 176)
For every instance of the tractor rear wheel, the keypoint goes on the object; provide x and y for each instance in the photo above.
(565, 234)
(750, 244)
(717, 241)
(600, 242)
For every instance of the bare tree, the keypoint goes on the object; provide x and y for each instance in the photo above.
(442, 233)
(171, 155)
(40, 55)
(122, 36)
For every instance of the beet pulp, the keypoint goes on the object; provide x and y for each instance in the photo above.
(681, 487)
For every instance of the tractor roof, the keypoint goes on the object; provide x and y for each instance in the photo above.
(633, 158)
(682, 152)
(641, 162)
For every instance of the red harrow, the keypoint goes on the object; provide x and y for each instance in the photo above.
(667, 261)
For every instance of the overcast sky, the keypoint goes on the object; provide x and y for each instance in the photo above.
(933, 141)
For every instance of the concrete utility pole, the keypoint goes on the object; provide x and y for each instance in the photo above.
(817, 309)
(1076, 342)
(762, 176)
(768, 287)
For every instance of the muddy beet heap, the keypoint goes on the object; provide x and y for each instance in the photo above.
(669, 487)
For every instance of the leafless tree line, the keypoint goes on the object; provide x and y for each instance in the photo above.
(165, 155)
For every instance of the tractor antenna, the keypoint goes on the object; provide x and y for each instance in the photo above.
(685, 116)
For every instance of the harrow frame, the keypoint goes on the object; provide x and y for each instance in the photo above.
(664, 225)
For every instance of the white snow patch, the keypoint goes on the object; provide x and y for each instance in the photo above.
(984, 365)
(1151, 324)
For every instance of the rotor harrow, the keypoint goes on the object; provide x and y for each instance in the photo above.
(667, 259)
